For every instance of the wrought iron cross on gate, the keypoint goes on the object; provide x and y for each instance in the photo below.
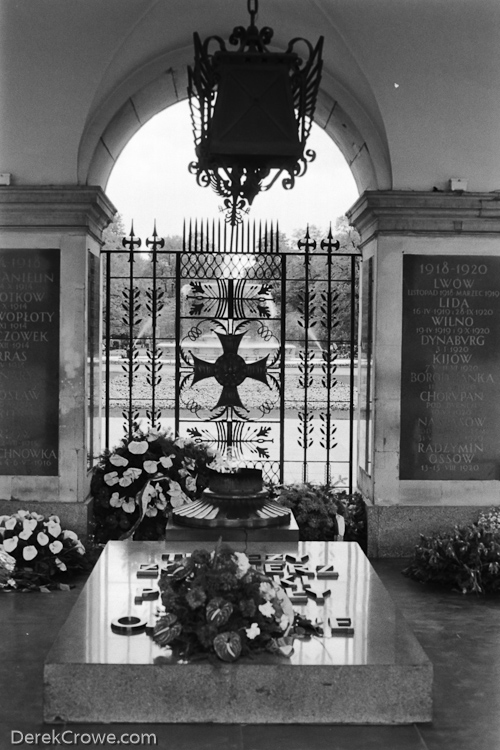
(230, 370)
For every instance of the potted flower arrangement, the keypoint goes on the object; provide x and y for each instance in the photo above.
(324, 513)
(136, 485)
(36, 553)
(218, 606)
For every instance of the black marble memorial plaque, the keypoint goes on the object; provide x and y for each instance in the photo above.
(29, 362)
(450, 377)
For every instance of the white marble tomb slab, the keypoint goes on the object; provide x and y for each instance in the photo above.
(378, 675)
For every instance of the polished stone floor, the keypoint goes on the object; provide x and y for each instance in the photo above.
(460, 634)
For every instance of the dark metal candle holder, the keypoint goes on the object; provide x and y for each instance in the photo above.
(252, 509)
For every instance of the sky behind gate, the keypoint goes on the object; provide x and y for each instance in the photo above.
(151, 181)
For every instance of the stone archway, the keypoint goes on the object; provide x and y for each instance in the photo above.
(164, 83)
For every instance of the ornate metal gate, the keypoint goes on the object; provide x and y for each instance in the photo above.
(234, 341)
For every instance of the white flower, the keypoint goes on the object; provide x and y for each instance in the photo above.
(80, 548)
(149, 492)
(267, 609)
(242, 562)
(55, 546)
(129, 506)
(129, 476)
(42, 539)
(151, 467)
(118, 460)
(29, 524)
(267, 590)
(71, 534)
(284, 622)
(22, 513)
(60, 564)
(55, 519)
(177, 496)
(7, 562)
(116, 501)
(138, 447)
(25, 534)
(253, 631)
(11, 523)
(191, 484)
(183, 473)
(180, 442)
(10, 544)
(152, 511)
(153, 435)
(166, 462)
(30, 552)
(111, 478)
(3, 519)
(161, 503)
(54, 529)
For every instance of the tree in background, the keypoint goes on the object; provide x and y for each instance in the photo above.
(341, 269)
(120, 271)
(143, 270)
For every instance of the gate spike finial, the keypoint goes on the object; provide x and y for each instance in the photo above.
(329, 243)
(131, 241)
(155, 243)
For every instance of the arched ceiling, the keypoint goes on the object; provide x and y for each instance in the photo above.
(410, 90)
(146, 86)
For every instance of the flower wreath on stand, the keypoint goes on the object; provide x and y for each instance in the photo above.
(136, 485)
(218, 605)
(37, 554)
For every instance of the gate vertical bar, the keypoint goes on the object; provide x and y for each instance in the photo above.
(178, 312)
(107, 361)
(131, 308)
(156, 305)
(351, 371)
(282, 369)
(131, 315)
(328, 362)
(307, 365)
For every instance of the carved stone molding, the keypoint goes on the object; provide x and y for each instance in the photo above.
(413, 212)
(55, 207)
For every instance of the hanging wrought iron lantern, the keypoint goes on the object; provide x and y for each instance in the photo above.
(252, 112)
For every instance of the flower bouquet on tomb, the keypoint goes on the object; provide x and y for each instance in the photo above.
(36, 553)
(136, 485)
(216, 605)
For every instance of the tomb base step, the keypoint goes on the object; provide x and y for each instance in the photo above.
(266, 540)
(373, 673)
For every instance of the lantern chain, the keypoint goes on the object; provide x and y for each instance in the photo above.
(253, 9)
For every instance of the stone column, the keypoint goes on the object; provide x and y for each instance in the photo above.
(57, 229)
(405, 475)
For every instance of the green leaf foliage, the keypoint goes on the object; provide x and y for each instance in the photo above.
(465, 558)
(315, 508)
